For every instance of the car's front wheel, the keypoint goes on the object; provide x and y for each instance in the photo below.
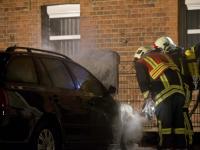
(45, 138)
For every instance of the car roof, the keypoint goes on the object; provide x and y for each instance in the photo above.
(34, 51)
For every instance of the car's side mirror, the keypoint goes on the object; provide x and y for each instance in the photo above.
(112, 90)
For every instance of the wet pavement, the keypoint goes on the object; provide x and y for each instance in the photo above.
(150, 140)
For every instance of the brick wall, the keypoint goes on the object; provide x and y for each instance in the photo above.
(124, 25)
(120, 25)
(20, 21)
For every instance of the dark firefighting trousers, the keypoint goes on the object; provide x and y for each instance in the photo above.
(171, 122)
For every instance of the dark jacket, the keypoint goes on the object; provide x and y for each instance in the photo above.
(157, 74)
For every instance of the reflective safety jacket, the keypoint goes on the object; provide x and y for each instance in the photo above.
(157, 74)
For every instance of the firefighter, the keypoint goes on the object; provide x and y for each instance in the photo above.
(187, 62)
(184, 59)
(159, 80)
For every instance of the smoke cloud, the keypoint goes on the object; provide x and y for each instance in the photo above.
(130, 132)
(132, 127)
(101, 63)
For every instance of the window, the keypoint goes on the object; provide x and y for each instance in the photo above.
(189, 19)
(87, 82)
(21, 69)
(58, 73)
(44, 78)
(192, 4)
(62, 28)
(193, 30)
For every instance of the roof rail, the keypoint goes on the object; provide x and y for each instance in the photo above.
(30, 50)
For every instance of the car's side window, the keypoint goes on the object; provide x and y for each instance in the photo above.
(44, 78)
(21, 69)
(58, 73)
(87, 82)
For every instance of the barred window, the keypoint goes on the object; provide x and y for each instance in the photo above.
(61, 31)
(193, 21)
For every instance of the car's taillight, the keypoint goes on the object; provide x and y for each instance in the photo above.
(3, 102)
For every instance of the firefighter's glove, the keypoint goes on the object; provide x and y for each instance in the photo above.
(149, 108)
(195, 82)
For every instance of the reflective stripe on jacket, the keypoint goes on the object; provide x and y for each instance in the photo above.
(157, 64)
(164, 77)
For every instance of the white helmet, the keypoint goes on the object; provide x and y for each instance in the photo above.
(141, 51)
(165, 44)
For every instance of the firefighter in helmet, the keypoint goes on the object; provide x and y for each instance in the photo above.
(159, 80)
(186, 61)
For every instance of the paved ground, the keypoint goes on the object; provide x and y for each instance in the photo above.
(150, 141)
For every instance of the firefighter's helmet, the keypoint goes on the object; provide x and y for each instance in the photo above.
(165, 43)
(141, 51)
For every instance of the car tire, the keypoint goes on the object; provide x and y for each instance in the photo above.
(46, 137)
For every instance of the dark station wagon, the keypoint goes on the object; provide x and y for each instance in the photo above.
(49, 102)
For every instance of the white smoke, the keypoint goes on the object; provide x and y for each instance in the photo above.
(128, 129)
(101, 63)
(132, 127)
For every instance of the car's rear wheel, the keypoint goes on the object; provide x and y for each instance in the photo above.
(46, 137)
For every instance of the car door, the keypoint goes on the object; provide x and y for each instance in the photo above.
(74, 119)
